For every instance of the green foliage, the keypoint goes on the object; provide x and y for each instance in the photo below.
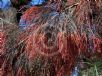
(94, 68)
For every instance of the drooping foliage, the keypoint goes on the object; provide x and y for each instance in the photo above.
(53, 40)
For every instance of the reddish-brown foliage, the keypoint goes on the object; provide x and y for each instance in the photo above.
(53, 41)
(2, 42)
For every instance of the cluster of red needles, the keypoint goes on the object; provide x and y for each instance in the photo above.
(56, 37)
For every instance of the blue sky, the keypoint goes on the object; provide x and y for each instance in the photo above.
(36, 2)
(4, 4)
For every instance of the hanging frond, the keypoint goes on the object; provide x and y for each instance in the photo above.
(51, 40)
